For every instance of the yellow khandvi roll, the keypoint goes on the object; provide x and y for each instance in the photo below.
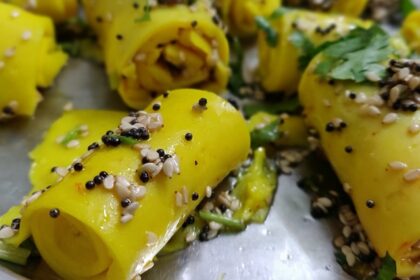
(150, 49)
(120, 203)
(375, 154)
(350, 8)
(280, 66)
(58, 10)
(240, 14)
(411, 30)
(29, 58)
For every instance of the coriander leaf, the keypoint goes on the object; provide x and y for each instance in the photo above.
(407, 6)
(236, 80)
(288, 106)
(351, 57)
(279, 12)
(388, 270)
(270, 32)
(146, 16)
(263, 136)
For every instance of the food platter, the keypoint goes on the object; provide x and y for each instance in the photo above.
(290, 245)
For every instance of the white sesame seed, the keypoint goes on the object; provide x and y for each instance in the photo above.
(138, 192)
(363, 247)
(140, 57)
(32, 4)
(339, 241)
(347, 187)
(141, 146)
(131, 209)
(109, 182)
(61, 171)
(152, 155)
(152, 238)
(126, 218)
(414, 83)
(212, 234)
(325, 201)
(414, 128)
(59, 139)
(10, 52)
(235, 204)
(346, 231)
(6, 232)
(361, 98)
(150, 168)
(209, 191)
(144, 152)
(371, 110)
(372, 76)
(2, 64)
(32, 198)
(191, 236)
(390, 118)
(215, 226)
(397, 165)
(403, 73)
(168, 167)
(412, 175)
(122, 185)
(327, 103)
(73, 144)
(178, 199)
(68, 106)
(26, 35)
(14, 14)
(355, 249)
(185, 195)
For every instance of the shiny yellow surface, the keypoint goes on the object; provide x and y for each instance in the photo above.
(35, 61)
(240, 14)
(165, 52)
(411, 30)
(58, 10)
(392, 225)
(278, 68)
(89, 229)
(44, 156)
(293, 131)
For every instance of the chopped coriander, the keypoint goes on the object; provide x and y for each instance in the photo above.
(14, 254)
(270, 32)
(146, 16)
(127, 140)
(71, 135)
(406, 7)
(263, 136)
(388, 270)
(287, 106)
(236, 80)
(279, 12)
(351, 57)
(231, 223)
(307, 49)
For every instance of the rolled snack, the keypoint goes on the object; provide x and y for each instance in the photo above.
(68, 137)
(350, 8)
(152, 49)
(411, 30)
(370, 135)
(58, 10)
(240, 14)
(128, 197)
(29, 59)
(283, 57)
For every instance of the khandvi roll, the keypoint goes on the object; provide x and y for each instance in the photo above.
(119, 203)
(411, 30)
(289, 42)
(149, 49)
(58, 10)
(369, 132)
(350, 8)
(240, 14)
(29, 58)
